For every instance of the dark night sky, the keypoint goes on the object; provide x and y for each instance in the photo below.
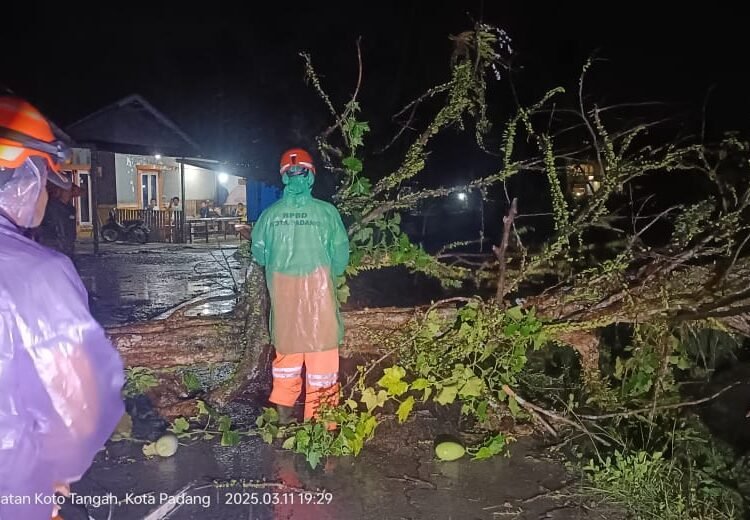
(231, 77)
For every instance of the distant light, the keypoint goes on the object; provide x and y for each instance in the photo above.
(591, 177)
(157, 156)
(461, 195)
(223, 178)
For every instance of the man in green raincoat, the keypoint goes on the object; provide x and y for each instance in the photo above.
(303, 245)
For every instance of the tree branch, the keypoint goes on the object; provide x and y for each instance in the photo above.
(552, 415)
(500, 251)
(673, 406)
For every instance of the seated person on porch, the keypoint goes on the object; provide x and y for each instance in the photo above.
(241, 212)
(203, 212)
(174, 204)
(153, 205)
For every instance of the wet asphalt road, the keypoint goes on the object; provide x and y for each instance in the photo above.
(253, 481)
(127, 283)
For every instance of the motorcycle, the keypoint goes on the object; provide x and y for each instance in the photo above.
(135, 230)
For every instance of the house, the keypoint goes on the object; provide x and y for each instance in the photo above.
(583, 178)
(139, 155)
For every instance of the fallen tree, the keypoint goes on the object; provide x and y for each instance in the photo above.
(613, 254)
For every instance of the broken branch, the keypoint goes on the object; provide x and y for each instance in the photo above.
(500, 251)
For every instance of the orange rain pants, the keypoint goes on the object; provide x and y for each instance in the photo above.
(322, 369)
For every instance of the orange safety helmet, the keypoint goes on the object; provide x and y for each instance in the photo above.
(25, 133)
(296, 157)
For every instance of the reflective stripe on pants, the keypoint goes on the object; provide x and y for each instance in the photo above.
(322, 379)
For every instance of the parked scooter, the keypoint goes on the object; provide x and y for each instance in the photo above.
(128, 230)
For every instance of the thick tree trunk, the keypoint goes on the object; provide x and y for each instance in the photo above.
(180, 340)
(242, 337)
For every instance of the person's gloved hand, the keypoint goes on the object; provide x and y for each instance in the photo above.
(64, 490)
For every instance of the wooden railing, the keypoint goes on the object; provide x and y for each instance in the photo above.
(165, 226)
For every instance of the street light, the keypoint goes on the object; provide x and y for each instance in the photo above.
(462, 196)
(223, 177)
(157, 156)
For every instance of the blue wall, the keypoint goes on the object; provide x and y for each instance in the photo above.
(259, 197)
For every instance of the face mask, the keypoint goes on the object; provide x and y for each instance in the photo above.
(20, 193)
(298, 184)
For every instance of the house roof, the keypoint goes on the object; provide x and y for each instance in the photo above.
(133, 125)
(246, 170)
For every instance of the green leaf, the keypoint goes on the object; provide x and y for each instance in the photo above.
(404, 409)
(382, 397)
(203, 409)
(366, 426)
(302, 440)
(370, 425)
(392, 381)
(191, 382)
(482, 411)
(266, 436)
(427, 394)
(619, 368)
(342, 294)
(483, 453)
(180, 425)
(447, 395)
(489, 349)
(361, 186)
(510, 329)
(352, 164)
(356, 445)
(540, 340)
(513, 406)
(208, 436)
(493, 446)
(225, 423)
(289, 443)
(472, 388)
(369, 398)
(352, 404)
(515, 313)
(230, 438)
(313, 458)
(420, 384)
(363, 236)
(355, 131)
(269, 416)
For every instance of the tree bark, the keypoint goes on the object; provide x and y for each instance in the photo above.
(179, 340)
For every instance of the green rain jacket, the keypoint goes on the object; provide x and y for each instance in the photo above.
(302, 243)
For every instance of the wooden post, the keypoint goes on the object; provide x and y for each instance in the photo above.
(94, 177)
(184, 203)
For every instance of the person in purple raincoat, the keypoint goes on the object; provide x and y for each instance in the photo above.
(60, 378)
